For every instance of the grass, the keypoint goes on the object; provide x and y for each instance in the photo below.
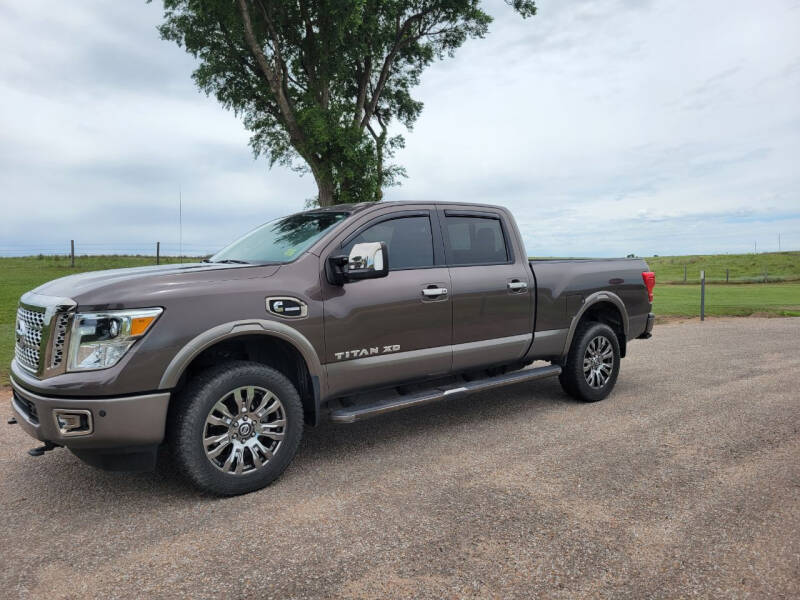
(779, 299)
(743, 268)
(18, 275)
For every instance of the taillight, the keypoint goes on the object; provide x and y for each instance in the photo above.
(649, 282)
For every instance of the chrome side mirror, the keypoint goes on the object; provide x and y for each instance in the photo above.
(367, 260)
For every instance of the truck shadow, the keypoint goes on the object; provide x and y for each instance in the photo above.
(76, 486)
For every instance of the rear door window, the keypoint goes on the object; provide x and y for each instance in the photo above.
(475, 241)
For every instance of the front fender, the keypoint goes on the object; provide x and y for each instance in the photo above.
(208, 338)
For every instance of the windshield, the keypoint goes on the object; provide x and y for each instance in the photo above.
(281, 240)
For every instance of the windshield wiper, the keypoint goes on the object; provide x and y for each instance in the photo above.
(228, 261)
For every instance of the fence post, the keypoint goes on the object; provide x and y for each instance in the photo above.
(158, 253)
(727, 275)
(702, 295)
(72, 252)
(684, 273)
(765, 276)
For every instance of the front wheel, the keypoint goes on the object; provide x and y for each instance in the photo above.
(235, 428)
(592, 365)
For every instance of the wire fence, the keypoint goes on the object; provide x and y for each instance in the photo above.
(77, 248)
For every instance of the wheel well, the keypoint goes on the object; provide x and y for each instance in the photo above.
(267, 350)
(608, 313)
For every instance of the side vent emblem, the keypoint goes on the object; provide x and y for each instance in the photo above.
(287, 307)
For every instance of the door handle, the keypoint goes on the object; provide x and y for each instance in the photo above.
(434, 292)
(517, 285)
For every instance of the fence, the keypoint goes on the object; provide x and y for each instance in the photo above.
(75, 250)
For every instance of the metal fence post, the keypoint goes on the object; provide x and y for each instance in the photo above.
(72, 252)
(702, 295)
(158, 253)
(684, 273)
(727, 275)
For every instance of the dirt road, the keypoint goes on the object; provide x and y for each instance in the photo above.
(686, 481)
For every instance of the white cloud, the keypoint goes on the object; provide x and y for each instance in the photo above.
(607, 126)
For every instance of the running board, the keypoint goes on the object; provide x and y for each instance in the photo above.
(351, 414)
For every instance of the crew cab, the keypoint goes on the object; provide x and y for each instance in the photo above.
(339, 313)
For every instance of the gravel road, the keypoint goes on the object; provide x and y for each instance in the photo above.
(686, 481)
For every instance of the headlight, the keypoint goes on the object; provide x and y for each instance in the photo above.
(99, 340)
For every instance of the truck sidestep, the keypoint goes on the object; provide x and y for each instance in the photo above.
(393, 402)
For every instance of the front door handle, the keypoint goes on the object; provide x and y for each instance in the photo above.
(437, 291)
(517, 285)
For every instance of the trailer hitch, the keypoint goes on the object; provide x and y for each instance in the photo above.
(48, 446)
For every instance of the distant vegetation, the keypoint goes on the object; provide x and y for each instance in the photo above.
(745, 268)
(18, 275)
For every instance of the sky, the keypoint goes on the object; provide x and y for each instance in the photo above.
(608, 127)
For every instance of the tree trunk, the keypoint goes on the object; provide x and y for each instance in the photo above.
(324, 190)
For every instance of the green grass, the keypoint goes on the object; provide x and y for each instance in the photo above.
(745, 268)
(19, 275)
(780, 299)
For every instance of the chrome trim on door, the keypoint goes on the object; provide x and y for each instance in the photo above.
(517, 285)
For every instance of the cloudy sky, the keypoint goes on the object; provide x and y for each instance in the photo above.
(607, 126)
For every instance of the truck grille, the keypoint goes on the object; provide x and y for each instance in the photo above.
(30, 324)
(33, 333)
(60, 335)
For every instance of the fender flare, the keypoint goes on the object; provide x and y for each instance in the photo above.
(208, 338)
(591, 300)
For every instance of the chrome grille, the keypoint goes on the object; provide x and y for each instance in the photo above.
(28, 337)
(59, 337)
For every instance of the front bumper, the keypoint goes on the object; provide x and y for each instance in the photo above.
(116, 422)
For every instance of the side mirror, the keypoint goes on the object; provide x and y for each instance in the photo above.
(368, 260)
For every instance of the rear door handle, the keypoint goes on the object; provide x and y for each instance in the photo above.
(517, 285)
(434, 292)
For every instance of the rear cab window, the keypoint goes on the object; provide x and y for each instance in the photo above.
(475, 240)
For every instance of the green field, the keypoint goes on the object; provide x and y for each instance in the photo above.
(744, 268)
(19, 275)
(779, 299)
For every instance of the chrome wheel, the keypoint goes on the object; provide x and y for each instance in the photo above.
(244, 430)
(598, 362)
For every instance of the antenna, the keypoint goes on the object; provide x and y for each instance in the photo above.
(779, 242)
(180, 224)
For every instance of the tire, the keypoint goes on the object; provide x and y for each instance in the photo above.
(586, 386)
(268, 431)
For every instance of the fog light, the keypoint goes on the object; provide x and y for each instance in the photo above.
(73, 422)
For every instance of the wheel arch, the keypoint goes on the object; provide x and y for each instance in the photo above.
(268, 342)
(604, 307)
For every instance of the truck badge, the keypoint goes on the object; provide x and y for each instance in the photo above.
(371, 351)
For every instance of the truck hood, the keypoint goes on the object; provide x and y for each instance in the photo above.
(139, 286)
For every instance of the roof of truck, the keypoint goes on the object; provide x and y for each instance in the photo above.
(353, 208)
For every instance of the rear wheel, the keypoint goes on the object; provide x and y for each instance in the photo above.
(592, 365)
(235, 428)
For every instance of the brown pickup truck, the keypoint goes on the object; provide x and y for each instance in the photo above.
(340, 313)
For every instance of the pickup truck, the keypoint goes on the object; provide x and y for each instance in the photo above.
(337, 313)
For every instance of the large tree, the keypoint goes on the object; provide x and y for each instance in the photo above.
(318, 82)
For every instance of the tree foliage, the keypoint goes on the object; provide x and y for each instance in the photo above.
(318, 82)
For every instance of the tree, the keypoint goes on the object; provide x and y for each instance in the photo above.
(318, 82)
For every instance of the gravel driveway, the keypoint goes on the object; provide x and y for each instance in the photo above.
(686, 481)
